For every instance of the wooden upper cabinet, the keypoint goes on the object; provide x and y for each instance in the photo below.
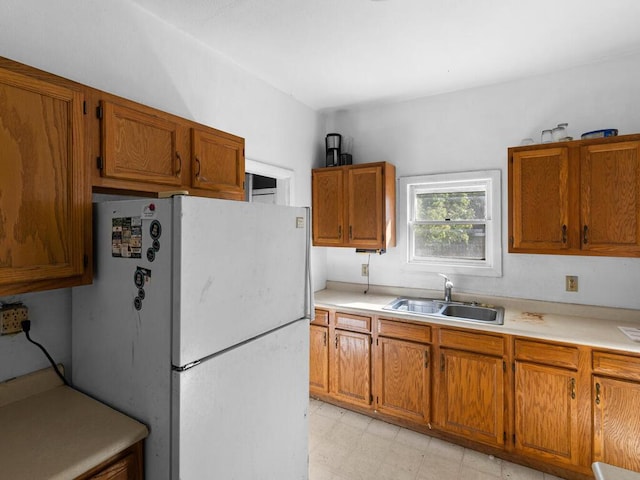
(354, 206)
(539, 201)
(142, 150)
(328, 209)
(579, 198)
(365, 206)
(45, 201)
(141, 144)
(218, 162)
(610, 198)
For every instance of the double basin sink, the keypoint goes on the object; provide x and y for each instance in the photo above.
(463, 311)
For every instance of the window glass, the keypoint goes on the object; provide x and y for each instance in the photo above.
(454, 220)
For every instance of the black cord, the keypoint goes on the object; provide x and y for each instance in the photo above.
(368, 272)
(26, 326)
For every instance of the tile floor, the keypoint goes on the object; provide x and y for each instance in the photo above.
(345, 445)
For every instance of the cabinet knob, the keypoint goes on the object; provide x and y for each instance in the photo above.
(564, 234)
(198, 164)
(584, 234)
(597, 394)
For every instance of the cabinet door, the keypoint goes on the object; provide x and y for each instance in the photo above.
(546, 413)
(218, 163)
(539, 200)
(44, 193)
(123, 469)
(140, 144)
(365, 205)
(403, 378)
(610, 198)
(328, 207)
(125, 465)
(319, 359)
(351, 374)
(472, 401)
(615, 422)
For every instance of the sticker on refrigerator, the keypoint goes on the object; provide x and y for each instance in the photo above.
(126, 237)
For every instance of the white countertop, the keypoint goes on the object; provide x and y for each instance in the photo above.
(578, 324)
(51, 431)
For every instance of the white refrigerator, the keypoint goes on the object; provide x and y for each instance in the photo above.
(197, 325)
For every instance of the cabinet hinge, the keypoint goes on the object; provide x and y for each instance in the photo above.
(99, 112)
(99, 163)
(511, 241)
(85, 260)
(84, 107)
(513, 367)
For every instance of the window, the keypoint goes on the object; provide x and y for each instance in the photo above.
(453, 222)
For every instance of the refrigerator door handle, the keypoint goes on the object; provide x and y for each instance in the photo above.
(309, 310)
(186, 367)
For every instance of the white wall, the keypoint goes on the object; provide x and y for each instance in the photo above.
(471, 130)
(117, 47)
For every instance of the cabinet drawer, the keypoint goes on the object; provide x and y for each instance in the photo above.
(472, 342)
(404, 331)
(322, 317)
(616, 365)
(349, 321)
(547, 354)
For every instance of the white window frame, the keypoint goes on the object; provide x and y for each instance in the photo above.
(489, 180)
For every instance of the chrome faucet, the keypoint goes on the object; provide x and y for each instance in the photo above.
(448, 285)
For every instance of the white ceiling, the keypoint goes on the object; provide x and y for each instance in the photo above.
(339, 53)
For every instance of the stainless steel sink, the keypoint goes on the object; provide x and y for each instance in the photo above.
(471, 312)
(415, 305)
(466, 312)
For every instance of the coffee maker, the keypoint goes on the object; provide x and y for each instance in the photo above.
(335, 155)
(333, 143)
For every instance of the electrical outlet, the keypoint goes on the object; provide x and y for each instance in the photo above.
(571, 283)
(365, 270)
(12, 316)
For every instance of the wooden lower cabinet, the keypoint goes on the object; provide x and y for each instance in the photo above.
(471, 395)
(546, 413)
(616, 401)
(551, 406)
(351, 375)
(319, 359)
(126, 465)
(403, 379)
(616, 436)
(550, 403)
